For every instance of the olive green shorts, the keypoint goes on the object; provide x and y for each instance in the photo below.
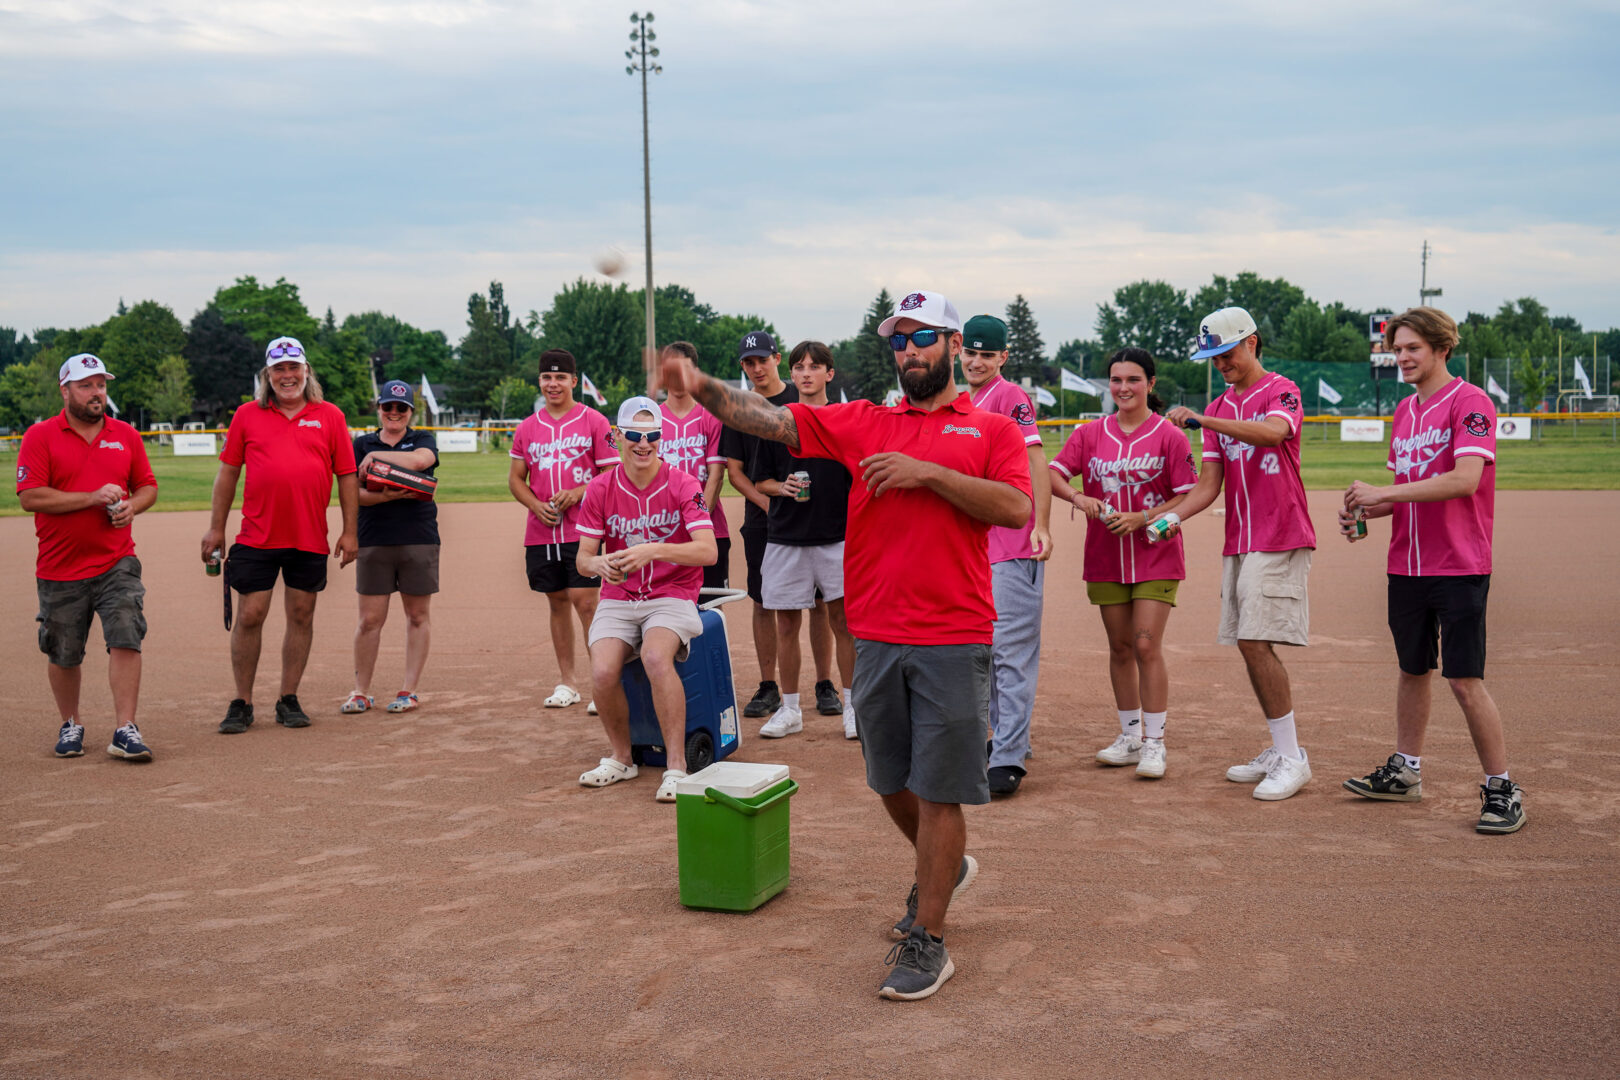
(1102, 593)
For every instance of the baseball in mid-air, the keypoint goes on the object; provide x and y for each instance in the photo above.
(610, 263)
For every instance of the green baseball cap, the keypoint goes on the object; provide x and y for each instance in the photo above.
(985, 333)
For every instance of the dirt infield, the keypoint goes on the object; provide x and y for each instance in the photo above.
(435, 896)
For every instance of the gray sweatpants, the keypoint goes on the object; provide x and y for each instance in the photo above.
(1015, 657)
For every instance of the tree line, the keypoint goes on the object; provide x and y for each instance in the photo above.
(169, 371)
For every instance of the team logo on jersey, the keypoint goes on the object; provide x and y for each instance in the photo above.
(697, 501)
(1189, 461)
(912, 302)
(1023, 415)
(22, 473)
(1476, 424)
(1290, 400)
(952, 429)
(113, 445)
(309, 423)
(1414, 455)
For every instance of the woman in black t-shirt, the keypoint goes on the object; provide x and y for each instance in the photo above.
(399, 548)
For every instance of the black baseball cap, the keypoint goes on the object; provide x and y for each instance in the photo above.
(756, 343)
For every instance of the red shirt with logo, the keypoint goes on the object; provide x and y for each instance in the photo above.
(916, 569)
(667, 511)
(290, 466)
(1265, 497)
(81, 544)
(1452, 537)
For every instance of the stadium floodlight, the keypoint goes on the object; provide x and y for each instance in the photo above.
(643, 58)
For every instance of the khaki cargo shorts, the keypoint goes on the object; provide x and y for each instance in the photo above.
(1263, 597)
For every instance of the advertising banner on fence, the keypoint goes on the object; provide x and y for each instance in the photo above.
(1361, 431)
(458, 442)
(192, 444)
(1513, 427)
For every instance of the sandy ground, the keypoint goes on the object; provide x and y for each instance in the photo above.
(435, 896)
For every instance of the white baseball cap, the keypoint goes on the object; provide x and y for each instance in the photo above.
(82, 366)
(928, 308)
(285, 350)
(631, 406)
(1223, 330)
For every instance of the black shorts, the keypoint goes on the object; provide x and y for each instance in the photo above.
(719, 575)
(1439, 619)
(754, 556)
(250, 570)
(66, 607)
(551, 568)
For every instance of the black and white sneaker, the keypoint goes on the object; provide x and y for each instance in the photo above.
(238, 718)
(288, 714)
(70, 740)
(921, 966)
(1394, 780)
(964, 878)
(1501, 806)
(827, 703)
(766, 700)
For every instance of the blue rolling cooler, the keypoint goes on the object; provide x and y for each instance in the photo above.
(711, 700)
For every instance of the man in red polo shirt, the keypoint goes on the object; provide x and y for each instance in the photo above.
(84, 476)
(933, 474)
(293, 442)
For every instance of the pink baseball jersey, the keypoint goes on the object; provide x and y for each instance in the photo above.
(692, 445)
(1138, 471)
(1009, 400)
(1453, 537)
(667, 511)
(562, 452)
(1265, 497)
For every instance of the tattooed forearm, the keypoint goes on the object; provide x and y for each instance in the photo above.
(747, 411)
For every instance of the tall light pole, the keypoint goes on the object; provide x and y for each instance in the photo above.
(643, 57)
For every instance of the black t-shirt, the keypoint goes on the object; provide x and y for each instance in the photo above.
(819, 519)
(745, 448)
(400, 521)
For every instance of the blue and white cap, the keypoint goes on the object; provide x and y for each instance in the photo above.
(638, 404)
(1222, 330)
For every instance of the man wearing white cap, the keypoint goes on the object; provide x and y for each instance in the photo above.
(645, 530)
(917, 594)
(84, 476)
(1251, 443)
(293, 443)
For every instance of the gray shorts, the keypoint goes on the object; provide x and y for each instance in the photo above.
(1264, 598)
(791, 574)
(629, 621)
(923, 716)
(66, 607)
(383, 569)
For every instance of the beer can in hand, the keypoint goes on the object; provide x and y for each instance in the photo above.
(803, 494)
(1160, 528)
(214, 562)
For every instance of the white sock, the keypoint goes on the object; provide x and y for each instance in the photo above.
(849, 699)
(1497, 776)
(1284, 737)
(790, 701)
(1153, 724)
(1130, 722)
(1413, 761)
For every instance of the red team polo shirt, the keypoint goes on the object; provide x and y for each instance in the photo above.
(83, 544)
(1265, 497)
(916, 569)
(1452, 537)
(290, 466)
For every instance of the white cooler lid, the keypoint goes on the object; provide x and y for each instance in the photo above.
(739, 779)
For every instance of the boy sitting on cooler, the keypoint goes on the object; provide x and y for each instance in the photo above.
(645, 531)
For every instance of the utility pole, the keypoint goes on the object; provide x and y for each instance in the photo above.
(1424, 292)
(643, 57)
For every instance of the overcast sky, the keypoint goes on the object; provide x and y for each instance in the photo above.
(399, 154)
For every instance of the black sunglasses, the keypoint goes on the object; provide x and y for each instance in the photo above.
(920, 338)
(394, 406)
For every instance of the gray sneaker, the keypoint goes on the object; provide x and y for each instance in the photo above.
(964, 878)
(1501, 806)
(1394, 781)
(921, 966)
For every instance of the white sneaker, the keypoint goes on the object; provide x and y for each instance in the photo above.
(784, 721)
(562, 697)
(1124, 750)
(1152, 762)
(849, 722)
(666, 790)
(1256, 770)
(1286, 777)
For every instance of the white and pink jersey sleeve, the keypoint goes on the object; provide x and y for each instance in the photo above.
(692, 445)
(1009, 400)
(667, 511)
(1453, 537)
(562, 452)
(1265, 496)
(1139, 471)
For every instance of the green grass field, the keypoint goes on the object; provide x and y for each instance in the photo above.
(1560, 460)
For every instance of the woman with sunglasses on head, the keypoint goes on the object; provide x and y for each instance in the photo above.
(399, 548)
(1134, 467)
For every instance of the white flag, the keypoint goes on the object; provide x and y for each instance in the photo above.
(843, 399)
(742, 384)
(1494, 388)
(1043, 396)
(1580, 377)
(590, 389)
(1327, 393)
(1071, 381)
(113, 405)
(428, 399)
(893, 397)
(256, 386)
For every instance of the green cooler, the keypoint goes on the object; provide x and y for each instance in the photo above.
(731, 830)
